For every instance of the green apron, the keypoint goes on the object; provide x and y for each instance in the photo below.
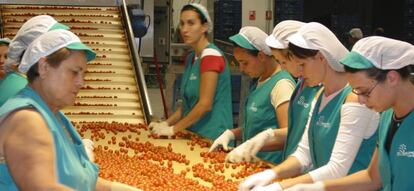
(323, 131)
(299, 108)
(213, 123)
(10, 85)
(72, 164)
(397, 166)
(260, 114)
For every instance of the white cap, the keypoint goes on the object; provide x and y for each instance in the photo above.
(315, 36)
(278, 38)
(30, 30)
(49, 43)
(356, 33)
(252, 38)
(380, 52)
(205, 14)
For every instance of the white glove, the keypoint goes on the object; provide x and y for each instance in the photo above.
(256, 143)
(155, 123)
(236, 155)
(271, 187)
(88, 144)
(258, 179)
(162, 129)
(223, 140)
(318, 186)
(116, 186)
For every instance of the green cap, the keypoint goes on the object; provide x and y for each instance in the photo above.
(90, 54)
(59, 26)
(242, 42)
(50, 42)
(5, 41)
(357, 61)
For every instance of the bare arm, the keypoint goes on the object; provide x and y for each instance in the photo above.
(281, 133)
(103, 185)
(291, 167)
(368, 179)
(208, 83)
(280, 97)
(29, 152)
(282, 115)
(176, 116)
(278, 143)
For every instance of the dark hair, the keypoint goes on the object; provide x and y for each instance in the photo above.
(53, 60)
(251, 52)
(301, 52)
(202, 18)
(192, 8)
(379, 31)
(380, 75)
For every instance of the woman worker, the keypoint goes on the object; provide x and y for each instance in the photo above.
(39, 147)
(299, 104)
(340, 136)
(205, 88)
(14, 81)
(382, 76)
(266, 105)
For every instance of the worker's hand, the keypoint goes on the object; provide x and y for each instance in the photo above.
(259, 179)
(236, 155)
(163, 129)
(154, 124)
(88, 144)
(318, 186)
(271, 187)
(116, 186)
(253, 145)
(223, 140)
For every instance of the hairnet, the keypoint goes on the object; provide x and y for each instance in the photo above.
(316, 36)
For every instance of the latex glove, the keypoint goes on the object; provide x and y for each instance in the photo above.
(163, 129)
(256, 143)
(155, 123)
(271, 187)
(236, 155)
(258, 179)
(116, 186)
(88, 144)
(318, 186)
(223, 140)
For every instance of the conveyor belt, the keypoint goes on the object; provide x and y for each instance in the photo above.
(110, 75)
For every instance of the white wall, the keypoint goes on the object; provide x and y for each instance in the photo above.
(260, 6)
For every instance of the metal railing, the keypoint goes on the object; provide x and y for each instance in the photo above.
(139, 74)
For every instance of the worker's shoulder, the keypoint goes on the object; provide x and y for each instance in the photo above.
(27, 118)
(211, 52)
